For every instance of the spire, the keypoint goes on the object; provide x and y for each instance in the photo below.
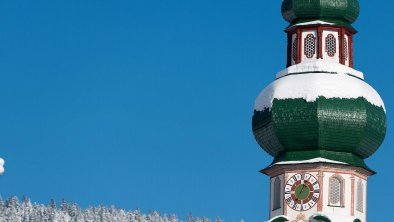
(320, 108)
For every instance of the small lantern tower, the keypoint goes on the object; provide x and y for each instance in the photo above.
(319, 119)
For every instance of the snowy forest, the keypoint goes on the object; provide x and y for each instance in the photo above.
(13, 210)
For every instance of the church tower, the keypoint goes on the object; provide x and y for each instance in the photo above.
(319, 119)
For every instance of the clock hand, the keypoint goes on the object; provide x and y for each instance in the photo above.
(303, 187)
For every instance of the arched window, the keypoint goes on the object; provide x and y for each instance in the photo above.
(310, 46)
(345, 49)
(277, 194)
(360, 196)
(294, 48)
(336, 191)
(331, 45)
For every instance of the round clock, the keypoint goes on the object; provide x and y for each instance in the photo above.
(302, 191)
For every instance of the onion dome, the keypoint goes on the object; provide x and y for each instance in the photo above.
(341, 12)
(334, 116)
(320, 109)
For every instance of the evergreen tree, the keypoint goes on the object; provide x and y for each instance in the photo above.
(14, 211)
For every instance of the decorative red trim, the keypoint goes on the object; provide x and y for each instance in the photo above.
(341, 36)
(299, 46)
(320, 44)
(317, 26)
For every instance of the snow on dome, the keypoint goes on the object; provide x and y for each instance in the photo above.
(316, 22)
(311, 86)
(315, 160)
(320, 66)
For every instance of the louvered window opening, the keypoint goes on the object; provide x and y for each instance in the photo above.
(335, 192)
(360, 196)
(310, 46)
(294, 48)
(331, 45)
(345, 49)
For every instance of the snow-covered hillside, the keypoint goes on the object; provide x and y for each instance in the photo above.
(25, 211)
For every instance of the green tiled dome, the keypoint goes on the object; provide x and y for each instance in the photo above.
(346, 130)
(343, 12)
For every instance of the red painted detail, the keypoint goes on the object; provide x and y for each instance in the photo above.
(299, 46)
(341, 37)
(320, 44)
(342, 31)
(319, 26)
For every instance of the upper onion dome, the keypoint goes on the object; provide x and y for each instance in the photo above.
(339, 11)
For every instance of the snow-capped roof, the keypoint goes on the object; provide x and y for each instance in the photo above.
(316, 22)
(310, 86)
(315, 160)
(320, 66)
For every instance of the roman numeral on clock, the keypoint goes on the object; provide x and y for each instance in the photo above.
(294, 178)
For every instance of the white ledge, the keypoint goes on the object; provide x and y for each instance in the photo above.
(322, 66)
(317, 22)
(315, 160)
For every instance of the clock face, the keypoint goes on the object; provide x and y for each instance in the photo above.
(302, 191)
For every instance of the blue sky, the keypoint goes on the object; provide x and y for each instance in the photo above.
(148, 104)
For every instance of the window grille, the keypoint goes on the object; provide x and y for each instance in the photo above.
(360, 196)
(277, 194)
(309, 46)
(336, 189)
(294, 52)
(331, 45)
(345, 49)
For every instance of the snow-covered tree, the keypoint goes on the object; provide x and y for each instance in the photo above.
(13, 210)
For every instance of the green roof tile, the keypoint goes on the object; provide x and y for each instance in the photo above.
(340, 12)
(345, 130)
